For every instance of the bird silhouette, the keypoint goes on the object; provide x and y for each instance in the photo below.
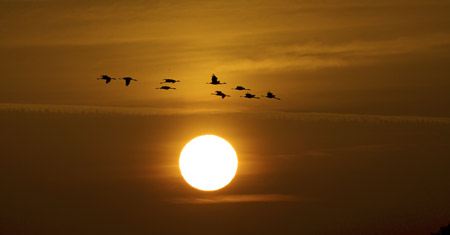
(106, 78)
(166, 88)
(215, 81)
(270, 95)
(220, 93)
(250, 96)
(240, 88)
(128, 80)
(168, 80)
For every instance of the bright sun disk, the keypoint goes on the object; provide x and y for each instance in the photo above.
(208, 162)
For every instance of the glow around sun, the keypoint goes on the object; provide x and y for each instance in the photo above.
(208, 163)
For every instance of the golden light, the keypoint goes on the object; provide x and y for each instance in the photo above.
(208, 162)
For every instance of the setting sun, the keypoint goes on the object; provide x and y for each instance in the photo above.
(208, 162)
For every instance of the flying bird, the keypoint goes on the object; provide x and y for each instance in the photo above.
(166, 88)
(215, 81)
(106, 78)
(168, 80)
(240, 88)
(270, 95)
(128, 80)
(220, 93)
(250, 96)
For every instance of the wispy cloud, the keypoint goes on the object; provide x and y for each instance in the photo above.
(363, 118)
(315, 54)
(90, 109)
(149, 111)
(236, 199)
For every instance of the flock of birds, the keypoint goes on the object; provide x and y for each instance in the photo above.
(214, 81)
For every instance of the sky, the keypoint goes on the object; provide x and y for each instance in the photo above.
(357, 144)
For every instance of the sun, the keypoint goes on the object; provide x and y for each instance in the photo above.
(208, 162)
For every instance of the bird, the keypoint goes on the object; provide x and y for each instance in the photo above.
(240, 88)
(106, 78)
(250, 96)
(220, 93)
(215, 81)
(270, 95)
(128, 80)
(168, 80)
(166, 88)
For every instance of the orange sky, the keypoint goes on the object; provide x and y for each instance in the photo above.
(342, 56)
(358, 143)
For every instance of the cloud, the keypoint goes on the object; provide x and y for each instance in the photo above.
(236, 199)
(362, 118)
(398, 45)
(315, 54)
(90, 109)
(283, 115)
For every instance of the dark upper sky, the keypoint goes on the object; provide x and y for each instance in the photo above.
(358, 143)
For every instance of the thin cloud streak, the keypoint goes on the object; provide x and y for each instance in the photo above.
(283, 115)
(362, 118)
(90, 109)
(315, 54)
(236, 199)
